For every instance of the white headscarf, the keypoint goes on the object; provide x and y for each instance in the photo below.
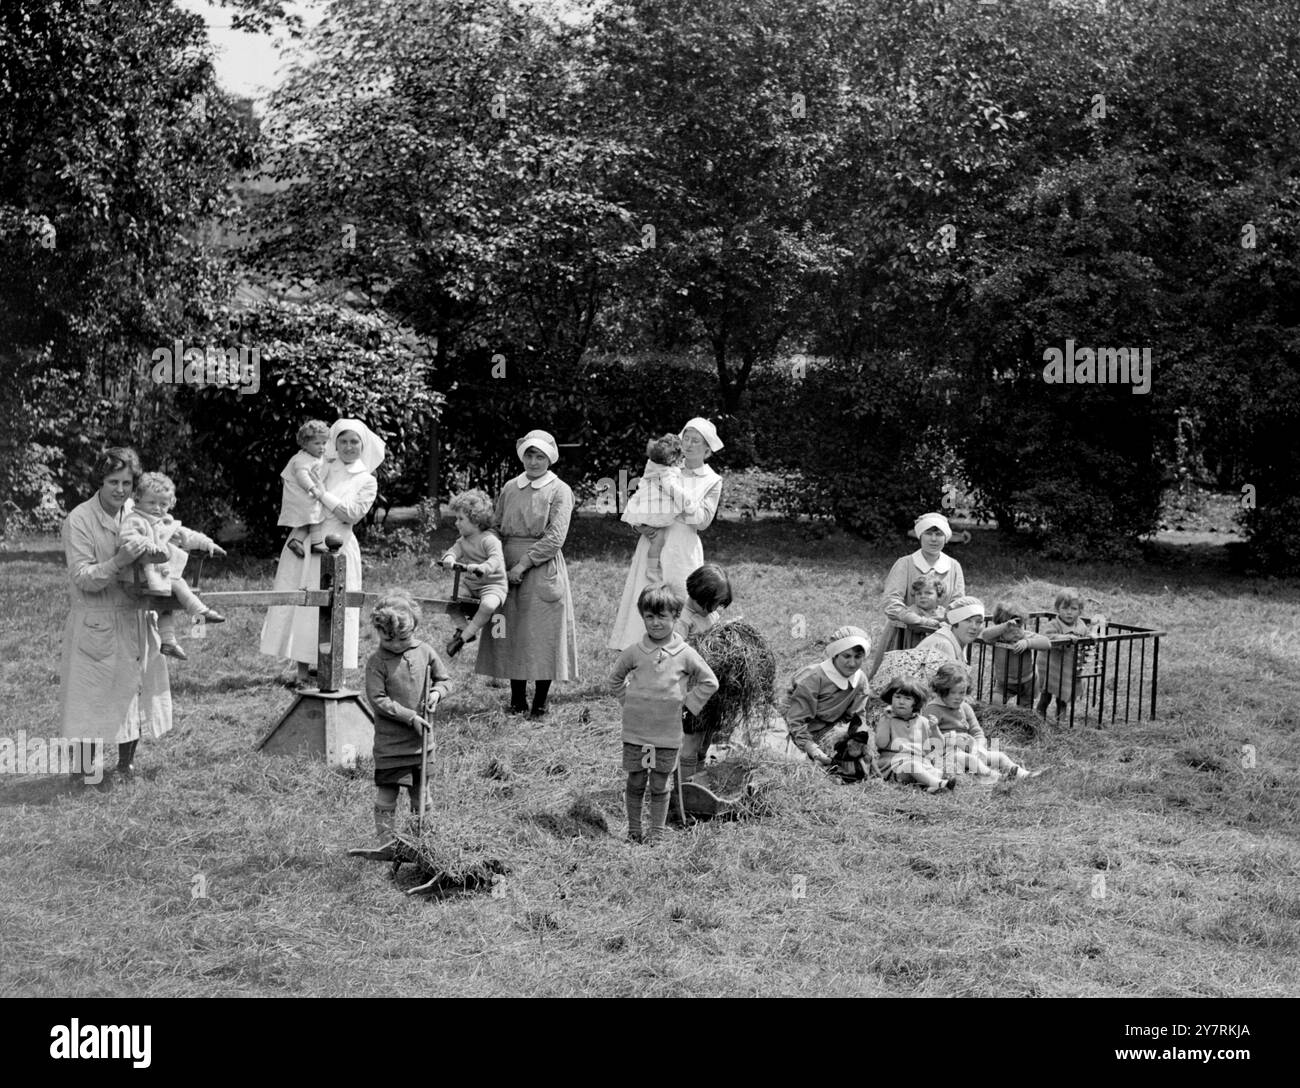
(372, 446)
(933, 521)
(539, 440)
(707, 431)
(962, 609)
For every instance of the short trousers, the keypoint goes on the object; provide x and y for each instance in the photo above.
(407, 775)
(665, 759)
(494, 598)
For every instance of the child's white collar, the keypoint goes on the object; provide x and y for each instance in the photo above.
(522, 481)
(675, 644)
(942, 565)
(840, 681)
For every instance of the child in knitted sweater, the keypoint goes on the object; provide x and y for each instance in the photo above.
(965, 747)
(163, 565)
(654, 679)
(480, 551)
(405, 682)
(906, 741)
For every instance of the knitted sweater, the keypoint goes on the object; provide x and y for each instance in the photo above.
(654, 683)
(961, 720)
(394, 689)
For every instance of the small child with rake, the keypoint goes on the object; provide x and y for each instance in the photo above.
(479, 550)
(654, 679)
(659, 497)
(163, 565)
(405, 682)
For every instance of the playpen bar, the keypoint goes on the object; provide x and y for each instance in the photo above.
(1142, 672)
(1155, 672)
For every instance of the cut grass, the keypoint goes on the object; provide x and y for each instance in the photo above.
(985, 891)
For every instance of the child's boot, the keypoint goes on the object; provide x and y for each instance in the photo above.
(295, 546)
(457, 642)
(171, 648)
(211, 615)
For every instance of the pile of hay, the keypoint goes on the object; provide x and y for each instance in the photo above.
(1010, 724)
(746, 670)
(456, 866)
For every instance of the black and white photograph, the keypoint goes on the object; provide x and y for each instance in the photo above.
(652, 499)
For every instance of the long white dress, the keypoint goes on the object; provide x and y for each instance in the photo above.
(114, 677)
(294, 632)
(682, 553)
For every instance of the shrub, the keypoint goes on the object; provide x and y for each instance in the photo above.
(317, 361)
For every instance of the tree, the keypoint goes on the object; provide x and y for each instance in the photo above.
(115, 147)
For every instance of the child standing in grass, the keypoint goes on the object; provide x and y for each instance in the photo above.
(708, 591)
(827, 700)
(964, 743)
(905, 739)
(405, 682)
(1013, 664)
(654, 679)
(479, 550)
(1056, 669)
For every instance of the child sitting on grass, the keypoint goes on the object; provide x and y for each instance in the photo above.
(164, 563)
(654, 679)
(905, 739)
(964, 743)
(405, 682)
(1013, 664)
(827, 700)
(1056, 668)
(659, 497)
(300, 494)
(479, 550)
(708, 591)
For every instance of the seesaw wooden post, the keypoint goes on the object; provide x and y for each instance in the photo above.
(331, 718)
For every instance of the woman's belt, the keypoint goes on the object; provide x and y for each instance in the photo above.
(518, 536)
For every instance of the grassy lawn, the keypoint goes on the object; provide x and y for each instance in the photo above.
(984, 891)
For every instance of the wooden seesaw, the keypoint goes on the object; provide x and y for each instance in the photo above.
(328, 720)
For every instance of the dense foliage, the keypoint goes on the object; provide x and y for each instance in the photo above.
(876, 221)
